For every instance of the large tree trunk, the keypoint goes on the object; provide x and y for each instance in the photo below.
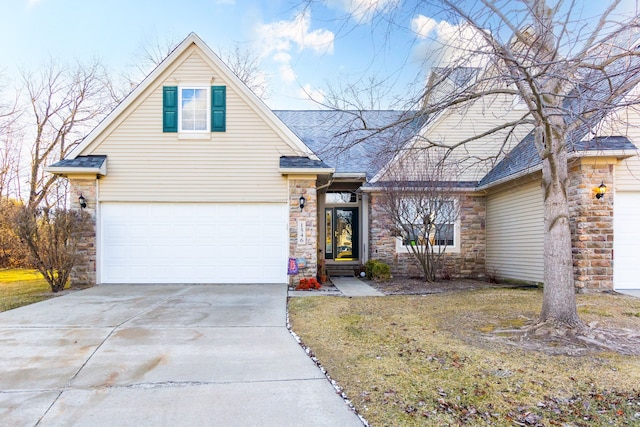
(559, 299)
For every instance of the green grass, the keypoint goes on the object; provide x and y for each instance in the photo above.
(426, 360)
(20, 287)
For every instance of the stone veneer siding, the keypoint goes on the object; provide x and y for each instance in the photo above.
(469, 262)
(309, 251)
(84, 272)
(591, 225)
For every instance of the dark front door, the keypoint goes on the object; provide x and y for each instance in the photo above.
(341, 234)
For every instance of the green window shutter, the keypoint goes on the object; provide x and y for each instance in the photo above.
(218, 108)
(170, 108)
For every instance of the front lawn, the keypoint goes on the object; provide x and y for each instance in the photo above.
(440, 360)
(22, 287)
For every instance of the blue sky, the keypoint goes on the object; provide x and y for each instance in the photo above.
(313, 48)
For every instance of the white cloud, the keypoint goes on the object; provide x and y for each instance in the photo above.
(33, 3)
(286, 70)
(278, 40)
(364, 10)
(284, 35)
(445, 44)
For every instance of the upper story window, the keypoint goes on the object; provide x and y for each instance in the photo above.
(194, 109)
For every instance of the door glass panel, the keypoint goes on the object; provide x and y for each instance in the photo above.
(328, 231)
(344, 234)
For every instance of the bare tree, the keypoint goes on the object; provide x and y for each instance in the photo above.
(148, 56)
(568, 71)
(64, 104)
(52, 238)
(10, 150)
(245, 64)
(420, 201)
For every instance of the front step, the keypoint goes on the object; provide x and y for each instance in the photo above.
(341, 270)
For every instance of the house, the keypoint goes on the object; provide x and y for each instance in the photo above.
(192, 179)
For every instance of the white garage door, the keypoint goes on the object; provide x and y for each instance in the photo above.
(626, 241)
(193, 243)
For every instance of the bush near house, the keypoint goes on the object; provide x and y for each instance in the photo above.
(52, 239)
(377, 270)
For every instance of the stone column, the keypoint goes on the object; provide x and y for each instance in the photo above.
(84, 272)
(591, 225)
(303, 226)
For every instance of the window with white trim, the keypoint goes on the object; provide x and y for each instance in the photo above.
(435, 220)
(194, 112)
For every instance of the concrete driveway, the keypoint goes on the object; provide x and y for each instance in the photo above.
(161, 355)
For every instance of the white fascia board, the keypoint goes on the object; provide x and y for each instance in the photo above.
(306, 171)
(620, 154)
(346, 175)
(374, 189)
(75, 171)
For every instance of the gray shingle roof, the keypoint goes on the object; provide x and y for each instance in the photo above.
(525, 157)
(352, 141)
(81, 162)
(298, 162)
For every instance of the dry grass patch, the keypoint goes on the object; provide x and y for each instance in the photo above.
(20, 287)
(439, 360)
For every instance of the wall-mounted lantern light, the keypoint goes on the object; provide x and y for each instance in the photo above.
(82, 201)
(601, 190)
(302, 201)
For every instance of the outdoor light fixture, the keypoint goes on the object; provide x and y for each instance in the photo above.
(82, 201)
(302, 201)
(600, 190)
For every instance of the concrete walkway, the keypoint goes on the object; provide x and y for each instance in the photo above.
(161, 356)
(353, 287)
(630, 292)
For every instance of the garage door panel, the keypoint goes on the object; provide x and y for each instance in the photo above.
(193, 243)
(626, 259)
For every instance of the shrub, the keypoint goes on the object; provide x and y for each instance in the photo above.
(52, 239)
(308, 284)
(377, 270)
(13, 252)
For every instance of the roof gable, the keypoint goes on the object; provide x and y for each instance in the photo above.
(192, 40)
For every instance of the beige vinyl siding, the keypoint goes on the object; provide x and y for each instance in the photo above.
(628, 174)
(475, 158)
(145, 164)
(515, 232)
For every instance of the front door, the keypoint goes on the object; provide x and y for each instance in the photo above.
(341, 234)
